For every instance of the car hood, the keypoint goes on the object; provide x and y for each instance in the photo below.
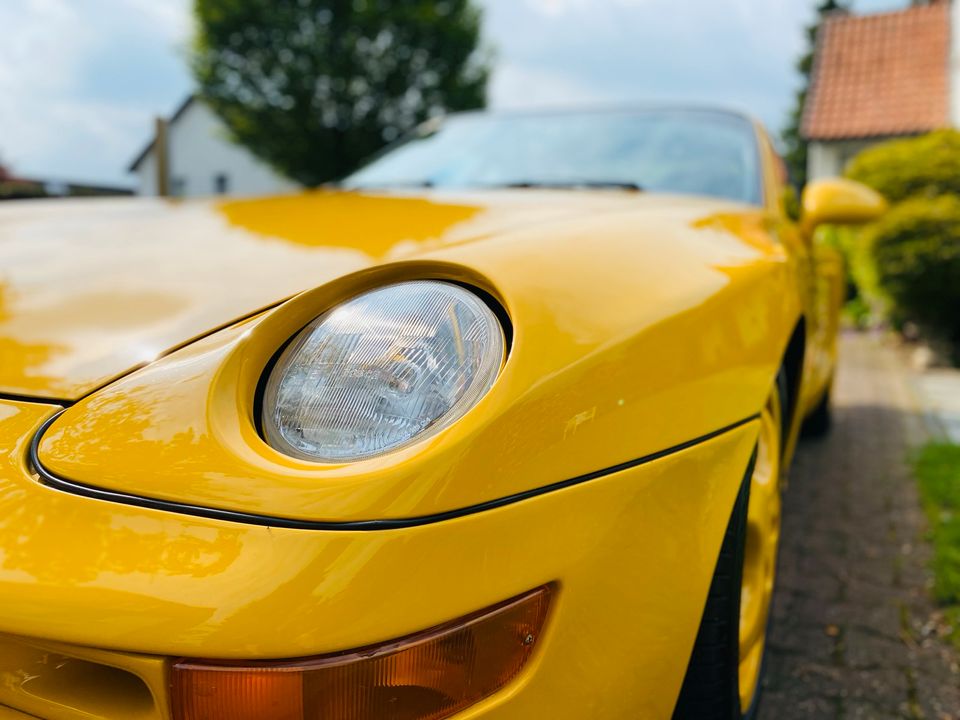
(640, 323)
(92, 289)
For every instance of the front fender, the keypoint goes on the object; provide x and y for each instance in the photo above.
(85, 573)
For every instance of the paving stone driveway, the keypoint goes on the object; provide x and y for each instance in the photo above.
(855, 634)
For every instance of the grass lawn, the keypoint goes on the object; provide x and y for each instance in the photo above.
(937, 468)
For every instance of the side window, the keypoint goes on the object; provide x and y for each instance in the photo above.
(221, 184)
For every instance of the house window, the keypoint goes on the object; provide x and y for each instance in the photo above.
(221, 184)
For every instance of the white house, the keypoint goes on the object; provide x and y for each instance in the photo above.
(882, 76)
(201, 160)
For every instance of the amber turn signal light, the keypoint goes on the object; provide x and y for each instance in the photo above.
(427, 676)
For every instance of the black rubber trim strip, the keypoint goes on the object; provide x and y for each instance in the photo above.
(20, 713)
(14, 397)
(97, 493)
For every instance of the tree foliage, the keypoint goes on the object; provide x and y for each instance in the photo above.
(925, 166)
(796, 147)
(314, 86)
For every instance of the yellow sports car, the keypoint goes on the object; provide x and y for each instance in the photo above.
(495, 428)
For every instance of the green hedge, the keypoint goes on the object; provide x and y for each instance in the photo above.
(916, 251)
(925, 166)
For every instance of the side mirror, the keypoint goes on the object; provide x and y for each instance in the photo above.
(839, 202)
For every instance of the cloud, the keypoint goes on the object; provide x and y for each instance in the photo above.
(738, 53)
(170, 17)
(516, 86)
(80, 82)
(559, 7)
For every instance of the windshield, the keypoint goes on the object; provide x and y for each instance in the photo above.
(673, 151)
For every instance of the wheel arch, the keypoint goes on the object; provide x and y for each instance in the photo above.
(793, 365)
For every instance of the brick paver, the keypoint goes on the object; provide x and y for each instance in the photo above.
(855, 634)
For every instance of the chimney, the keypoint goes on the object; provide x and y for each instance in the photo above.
(161, 155)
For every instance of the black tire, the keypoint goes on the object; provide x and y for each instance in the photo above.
(711, 687)
(817, 423)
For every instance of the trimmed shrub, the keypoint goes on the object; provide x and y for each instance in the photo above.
(916, 251)
(925, 166)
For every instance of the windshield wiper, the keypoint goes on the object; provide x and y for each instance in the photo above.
(573, 184)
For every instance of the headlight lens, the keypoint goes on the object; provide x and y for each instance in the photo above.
(384, 368)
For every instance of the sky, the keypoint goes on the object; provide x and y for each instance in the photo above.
(82, 80)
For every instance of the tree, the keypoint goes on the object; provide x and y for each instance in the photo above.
(313, 87)
(796, 147)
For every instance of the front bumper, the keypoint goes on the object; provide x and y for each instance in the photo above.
(95, 596)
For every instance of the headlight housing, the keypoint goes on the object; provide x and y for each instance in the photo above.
(388, 367)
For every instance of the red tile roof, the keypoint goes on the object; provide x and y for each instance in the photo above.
(879, 75)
